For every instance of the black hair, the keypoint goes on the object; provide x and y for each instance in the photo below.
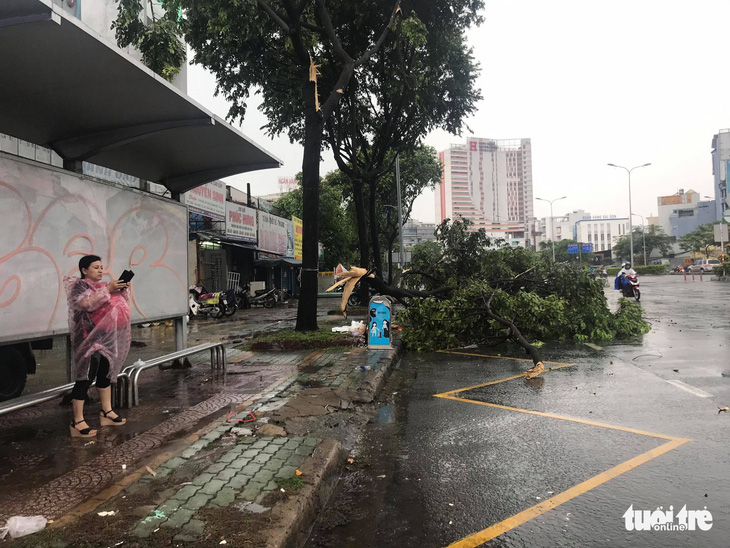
(85, 262)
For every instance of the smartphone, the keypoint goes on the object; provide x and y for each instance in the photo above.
(126, 276)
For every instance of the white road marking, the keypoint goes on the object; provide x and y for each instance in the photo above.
(691, 389)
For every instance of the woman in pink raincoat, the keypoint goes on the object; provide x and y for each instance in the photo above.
(98, 321)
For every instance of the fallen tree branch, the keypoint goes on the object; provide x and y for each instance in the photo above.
(516, 336)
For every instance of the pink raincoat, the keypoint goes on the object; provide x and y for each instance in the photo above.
(98, 321)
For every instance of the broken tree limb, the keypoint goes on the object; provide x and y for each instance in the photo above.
(516, 336)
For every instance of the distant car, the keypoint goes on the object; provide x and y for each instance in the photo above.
(704, 265)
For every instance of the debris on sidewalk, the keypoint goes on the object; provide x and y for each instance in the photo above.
(356, 329)
(20, 526)
(270, 430)
(228, 418)
(105, 514)
(252, 507)
(151, 471)
(722, 410)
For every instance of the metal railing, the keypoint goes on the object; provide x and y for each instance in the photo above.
(126, 392)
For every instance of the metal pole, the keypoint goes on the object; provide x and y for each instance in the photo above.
(401, 255)
(631, 226)
(552, 229)
(643, 237)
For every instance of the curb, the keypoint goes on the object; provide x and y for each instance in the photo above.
(296, 515)
(374, 382)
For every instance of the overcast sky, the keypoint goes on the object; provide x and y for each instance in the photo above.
(626, 82)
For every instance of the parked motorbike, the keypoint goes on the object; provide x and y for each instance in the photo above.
(202, 302)
(230, 302)
(630, 287)
(265, 297)
(241, 297)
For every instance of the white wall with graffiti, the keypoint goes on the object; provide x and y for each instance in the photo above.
(50, 218)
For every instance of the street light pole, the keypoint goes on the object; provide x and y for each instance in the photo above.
(552, 225)
(643, 234)
(401, 254)
(631, 226)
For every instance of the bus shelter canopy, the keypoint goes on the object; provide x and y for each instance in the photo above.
(66, 88)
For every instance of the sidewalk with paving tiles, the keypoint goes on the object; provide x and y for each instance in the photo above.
(247, 472)
(231, 464)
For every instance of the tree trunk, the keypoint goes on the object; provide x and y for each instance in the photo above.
(362, 225)
(374, 241)
(390, 263)
(307, 310)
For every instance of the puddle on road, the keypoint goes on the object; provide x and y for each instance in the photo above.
(385, 414)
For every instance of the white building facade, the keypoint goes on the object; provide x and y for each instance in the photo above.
(600, 230)
(720, 170)
(489, 182)
(603, 231)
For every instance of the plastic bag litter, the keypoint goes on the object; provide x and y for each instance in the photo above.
(20, 526)
(356, 329)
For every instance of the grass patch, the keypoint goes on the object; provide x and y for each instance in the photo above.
(293, 482)
(296, 340)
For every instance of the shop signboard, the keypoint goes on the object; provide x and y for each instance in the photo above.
(298, 235)
(289, 240)
(241, 222)
(208, 200)
(272, 233)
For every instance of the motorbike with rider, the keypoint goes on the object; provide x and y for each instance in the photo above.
(627, 282)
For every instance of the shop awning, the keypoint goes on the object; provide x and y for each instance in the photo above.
(217, 237)
(66, 88)
(273, 263)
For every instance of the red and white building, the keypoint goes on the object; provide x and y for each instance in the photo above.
(489, 182)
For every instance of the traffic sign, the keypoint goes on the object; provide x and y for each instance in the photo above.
(587, 248)
(720, 232)
(572, 249)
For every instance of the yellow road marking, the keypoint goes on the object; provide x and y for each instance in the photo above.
(526, 515)
(516, 520)
(560, 417)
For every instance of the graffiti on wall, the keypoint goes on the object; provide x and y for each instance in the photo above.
(51, 218)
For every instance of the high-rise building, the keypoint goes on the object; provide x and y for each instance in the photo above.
(720, 169)
(489, 182)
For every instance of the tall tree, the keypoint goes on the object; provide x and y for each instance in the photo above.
(297, 55)
(423, 78)
(700, 239)
(419, 169)
(561, 252)
(654, 237)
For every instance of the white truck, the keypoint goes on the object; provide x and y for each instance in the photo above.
(51, 218)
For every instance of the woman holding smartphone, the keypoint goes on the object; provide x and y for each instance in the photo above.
(100, 329)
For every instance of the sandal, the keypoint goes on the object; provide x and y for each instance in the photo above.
(83, 433)
(107, 421)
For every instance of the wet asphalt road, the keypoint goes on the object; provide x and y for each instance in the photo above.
(453, 469)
